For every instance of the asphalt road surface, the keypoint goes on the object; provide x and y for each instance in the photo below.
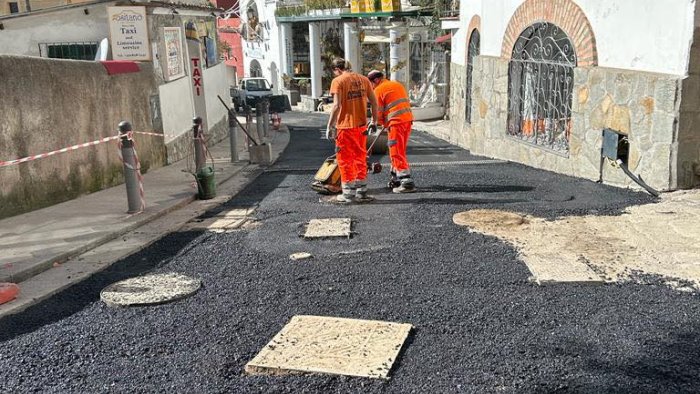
(480, 324)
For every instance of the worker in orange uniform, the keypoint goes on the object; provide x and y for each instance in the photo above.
(395, 114)
(348, 126)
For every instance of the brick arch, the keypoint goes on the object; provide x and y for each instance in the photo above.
(475, 23)
(565, 14)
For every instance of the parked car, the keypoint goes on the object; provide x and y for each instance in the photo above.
(250, 91)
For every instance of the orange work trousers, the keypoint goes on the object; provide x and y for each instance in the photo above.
(351, 153)
(397, 142)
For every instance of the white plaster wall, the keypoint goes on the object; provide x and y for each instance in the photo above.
(176, 103)
(644, 35)
(270, 46)
(215, 83)
(22, 35)
(176, 107)
(467, 10)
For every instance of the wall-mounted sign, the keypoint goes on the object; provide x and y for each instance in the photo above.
(128, 32)
(254, 52)
(174, 65)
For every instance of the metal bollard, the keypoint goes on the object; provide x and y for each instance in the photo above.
(266, 118)
(199, 156)
(131, 180)
(248, 126)
(233, 135)
(259, 120)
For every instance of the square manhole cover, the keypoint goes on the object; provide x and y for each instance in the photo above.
(331, 345)
(322, 228)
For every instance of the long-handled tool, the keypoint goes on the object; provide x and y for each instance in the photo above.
(232, 114)
(373, 168)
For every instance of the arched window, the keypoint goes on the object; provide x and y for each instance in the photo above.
(540, 87)
(255, 69)
(472, 53)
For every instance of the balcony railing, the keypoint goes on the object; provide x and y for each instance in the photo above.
(448, 9)
(309, 7)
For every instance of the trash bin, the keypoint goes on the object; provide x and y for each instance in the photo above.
(205, 183)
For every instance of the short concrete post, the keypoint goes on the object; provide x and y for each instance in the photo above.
(131, 168)
(198, 138)
(266, 117)
(259, 121)
(233, 135)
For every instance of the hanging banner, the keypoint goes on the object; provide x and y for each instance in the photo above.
(174, 64)
(128, 32)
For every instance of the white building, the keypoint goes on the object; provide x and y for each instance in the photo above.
(291, 45)
(537, 82)
(75, 31)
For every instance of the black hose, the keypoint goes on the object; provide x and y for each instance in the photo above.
(636, 179)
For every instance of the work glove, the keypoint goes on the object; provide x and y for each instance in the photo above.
(331, 133)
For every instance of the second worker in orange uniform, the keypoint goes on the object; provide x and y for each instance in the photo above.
(351, 94)
(394, 113)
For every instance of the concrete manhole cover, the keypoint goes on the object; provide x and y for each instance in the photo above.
(323, 228)
(150, 290)
(484, 218)
(331, 345)
(225, 221)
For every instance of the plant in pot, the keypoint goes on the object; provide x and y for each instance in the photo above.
(304, 86)
(287, 81)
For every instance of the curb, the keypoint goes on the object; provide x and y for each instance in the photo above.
(63, 257)
(48, 263)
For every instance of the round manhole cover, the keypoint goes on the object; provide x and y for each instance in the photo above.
(150, 290)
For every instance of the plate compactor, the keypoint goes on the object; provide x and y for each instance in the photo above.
(327, 178)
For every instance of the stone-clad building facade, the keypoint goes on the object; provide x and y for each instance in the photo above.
(538, 81)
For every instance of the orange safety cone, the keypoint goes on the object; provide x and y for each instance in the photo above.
(8, 292)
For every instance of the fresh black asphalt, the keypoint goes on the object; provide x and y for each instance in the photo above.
(480, 324)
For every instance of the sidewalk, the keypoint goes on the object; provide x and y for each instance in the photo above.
(41, 240)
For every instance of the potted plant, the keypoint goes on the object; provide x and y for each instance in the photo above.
(286, 80)
(304, 86)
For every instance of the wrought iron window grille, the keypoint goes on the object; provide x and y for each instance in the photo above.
(69, 50)
(540, 87)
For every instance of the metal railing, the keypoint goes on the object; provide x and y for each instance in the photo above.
(69, 50)
(540, 87)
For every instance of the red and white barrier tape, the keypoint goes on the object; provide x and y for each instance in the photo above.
(156, 134)
(63, 150)
(72, 148)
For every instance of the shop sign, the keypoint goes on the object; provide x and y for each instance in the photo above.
(128, 32)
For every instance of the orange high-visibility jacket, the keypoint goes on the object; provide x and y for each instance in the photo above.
(394, 105)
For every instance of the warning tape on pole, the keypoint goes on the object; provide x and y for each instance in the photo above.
(58, 151)
(135, 167)
(73, 148)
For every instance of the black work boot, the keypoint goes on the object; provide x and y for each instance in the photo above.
(406, 185)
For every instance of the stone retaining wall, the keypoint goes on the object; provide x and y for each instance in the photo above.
(642, 105)
(50, 104)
